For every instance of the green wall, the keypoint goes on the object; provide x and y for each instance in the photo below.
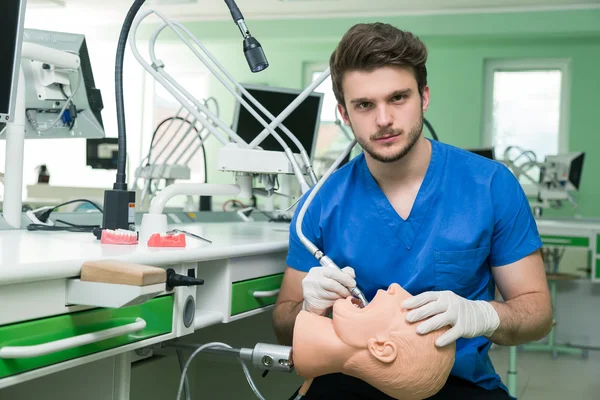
(458, 46)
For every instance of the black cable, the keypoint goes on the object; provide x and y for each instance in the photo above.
(121, 182)
(76, 225)
(433, 134)
(178, 118)
(43, 217)
(96, 206)
(40, 227)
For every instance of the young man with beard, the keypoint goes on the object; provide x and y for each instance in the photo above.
(447, 225)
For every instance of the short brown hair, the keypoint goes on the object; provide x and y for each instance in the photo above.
(366, 47)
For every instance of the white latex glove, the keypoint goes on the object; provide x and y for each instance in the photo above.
(324, 285)
(467, 318)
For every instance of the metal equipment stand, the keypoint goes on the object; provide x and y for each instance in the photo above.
(552, 258)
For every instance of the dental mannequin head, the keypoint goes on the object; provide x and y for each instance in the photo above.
(375, 344)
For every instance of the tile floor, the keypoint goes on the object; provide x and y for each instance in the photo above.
(542, 378)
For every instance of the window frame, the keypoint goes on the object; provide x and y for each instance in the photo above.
(528, 64)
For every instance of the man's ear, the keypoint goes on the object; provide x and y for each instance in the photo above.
(425, 98)
(385, 351)
(343, 114)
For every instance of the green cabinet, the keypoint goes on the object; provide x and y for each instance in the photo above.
(156, 313)
(251, 294)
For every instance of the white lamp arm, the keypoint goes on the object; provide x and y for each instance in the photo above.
(190, 103)
(48, 55)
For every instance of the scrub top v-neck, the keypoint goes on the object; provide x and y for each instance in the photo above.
(404, 229)
(470, 215)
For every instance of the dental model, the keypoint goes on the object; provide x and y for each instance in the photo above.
(119, 236)
(375, 344)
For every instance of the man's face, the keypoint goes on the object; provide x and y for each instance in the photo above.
(384, 110)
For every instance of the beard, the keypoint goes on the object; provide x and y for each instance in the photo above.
(411, 140)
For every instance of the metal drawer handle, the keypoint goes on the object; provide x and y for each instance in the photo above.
(270, 293)
(72, 342)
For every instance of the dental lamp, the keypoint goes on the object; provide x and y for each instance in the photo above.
(257, 61)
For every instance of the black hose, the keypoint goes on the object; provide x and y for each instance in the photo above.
(178, 118)
(433, 134)
(121, 183)
(236, 14)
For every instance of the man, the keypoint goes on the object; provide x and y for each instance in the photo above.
(447, 225)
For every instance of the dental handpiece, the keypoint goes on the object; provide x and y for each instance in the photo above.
(355, 291)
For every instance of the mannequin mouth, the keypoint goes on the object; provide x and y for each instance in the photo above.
(352, 303)
(355, 302)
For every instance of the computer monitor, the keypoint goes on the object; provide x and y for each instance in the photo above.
(487, 152)
(11, 35)
(47, 89)
(303, 122)
(102, 153)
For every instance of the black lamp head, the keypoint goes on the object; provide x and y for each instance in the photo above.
(257, 61)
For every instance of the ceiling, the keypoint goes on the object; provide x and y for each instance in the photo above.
(283, 9)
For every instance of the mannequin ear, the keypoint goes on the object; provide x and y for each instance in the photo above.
(385, 352)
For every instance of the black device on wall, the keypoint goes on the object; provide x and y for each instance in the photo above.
(102, 153)
(487, 152)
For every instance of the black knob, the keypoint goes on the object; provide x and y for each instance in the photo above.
(174, 279)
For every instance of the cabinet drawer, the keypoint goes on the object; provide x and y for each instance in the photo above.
(254, 293)
(157, 316)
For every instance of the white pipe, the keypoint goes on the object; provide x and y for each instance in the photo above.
(183, 101)
(159, 75)
(48, 55)
(313, 249)
(193, 189)
(268, 127)
(214, 118)
(13, 170)
(233, 135)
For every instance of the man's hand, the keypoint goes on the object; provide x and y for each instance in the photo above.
(324, 285)
(468, 318)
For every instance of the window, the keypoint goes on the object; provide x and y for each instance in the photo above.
(332, 139)
(526, 105)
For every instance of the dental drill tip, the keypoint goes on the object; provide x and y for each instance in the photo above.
(356, 292)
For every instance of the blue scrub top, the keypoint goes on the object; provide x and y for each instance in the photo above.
(470, 215)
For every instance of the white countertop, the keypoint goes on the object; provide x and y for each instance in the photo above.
(569, 223)
(33, 256)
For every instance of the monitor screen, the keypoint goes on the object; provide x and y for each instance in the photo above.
(487, 152)
(11, 32)
(303, 122)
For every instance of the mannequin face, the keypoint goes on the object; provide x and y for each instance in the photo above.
(375, 344)
(355, 326)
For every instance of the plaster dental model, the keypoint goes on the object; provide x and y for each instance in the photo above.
(375, 344)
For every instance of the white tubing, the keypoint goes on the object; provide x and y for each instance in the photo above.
(192, 189)
(307, 243)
